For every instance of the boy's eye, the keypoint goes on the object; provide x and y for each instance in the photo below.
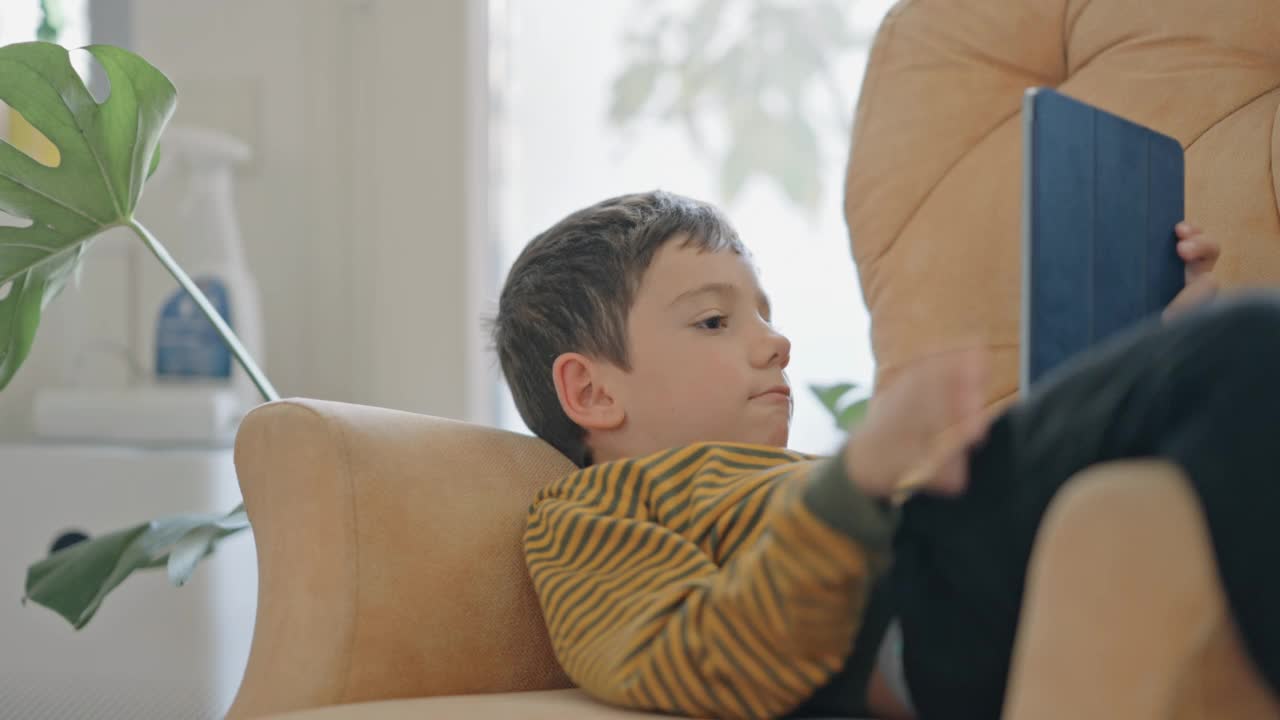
(715, 322)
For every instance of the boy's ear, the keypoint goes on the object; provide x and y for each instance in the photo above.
(583, 394)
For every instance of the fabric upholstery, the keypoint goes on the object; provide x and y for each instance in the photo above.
(934, 177)
(538, 705)
(389, 557)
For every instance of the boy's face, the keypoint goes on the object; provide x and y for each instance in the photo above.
(706, 364)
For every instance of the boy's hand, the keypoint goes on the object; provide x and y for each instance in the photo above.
(917, 432)
(1200, 253)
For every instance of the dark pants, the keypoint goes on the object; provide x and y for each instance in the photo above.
(1203, 392)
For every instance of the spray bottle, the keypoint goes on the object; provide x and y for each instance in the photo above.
(186, 347)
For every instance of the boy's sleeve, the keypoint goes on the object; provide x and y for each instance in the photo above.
(641, 616)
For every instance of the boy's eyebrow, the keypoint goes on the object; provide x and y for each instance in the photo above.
(722, 288)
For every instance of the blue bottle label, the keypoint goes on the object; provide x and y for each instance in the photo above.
(187, 344)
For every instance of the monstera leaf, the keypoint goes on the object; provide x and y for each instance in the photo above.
(74, 581)
(105, 152)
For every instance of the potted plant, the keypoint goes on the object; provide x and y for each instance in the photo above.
(105, 153)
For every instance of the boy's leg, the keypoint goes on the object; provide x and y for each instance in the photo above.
(1202, 392)
(1123, 617)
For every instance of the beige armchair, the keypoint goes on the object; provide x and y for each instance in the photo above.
(389, 543)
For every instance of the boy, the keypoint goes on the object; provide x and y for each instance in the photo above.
(695, 566)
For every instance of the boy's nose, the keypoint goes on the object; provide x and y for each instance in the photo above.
(773, 351)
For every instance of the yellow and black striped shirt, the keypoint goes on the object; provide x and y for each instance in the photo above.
(717, 579)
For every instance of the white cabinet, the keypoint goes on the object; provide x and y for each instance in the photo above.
(152, 651)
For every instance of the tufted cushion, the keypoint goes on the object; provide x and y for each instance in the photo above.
(933, 194)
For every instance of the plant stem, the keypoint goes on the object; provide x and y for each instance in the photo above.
(269, 393)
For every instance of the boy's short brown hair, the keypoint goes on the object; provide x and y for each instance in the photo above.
(571, 288)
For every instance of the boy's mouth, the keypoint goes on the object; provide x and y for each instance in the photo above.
(777, 392)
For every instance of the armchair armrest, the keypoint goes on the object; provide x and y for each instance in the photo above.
(389, 557)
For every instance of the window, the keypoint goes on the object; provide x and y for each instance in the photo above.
(63, 21)
(24, 20)
(744, 103)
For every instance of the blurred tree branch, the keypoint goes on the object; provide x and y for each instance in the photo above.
(759, 73)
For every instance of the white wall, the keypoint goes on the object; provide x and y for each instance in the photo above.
(355, 212)
(367, 120)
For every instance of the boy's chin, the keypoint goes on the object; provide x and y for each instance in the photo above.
(777, 437)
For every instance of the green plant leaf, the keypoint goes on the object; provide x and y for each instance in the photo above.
(189, 551)
(105, 154)
(830, 395)
(74, 581)
(155, 162)
(198, 543)
(722, 71)
(834, 399)
(853, 414)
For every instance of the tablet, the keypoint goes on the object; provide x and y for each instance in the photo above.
(1101, 197)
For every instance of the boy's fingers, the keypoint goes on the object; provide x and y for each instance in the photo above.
(945, 387)
(973, 384)
(963, 369)
(942, 468)
(1202, 289)
(952, 478)
(944, 455)
(976, 427)
(1195, 293)
(1185, 230)
(1198, 251)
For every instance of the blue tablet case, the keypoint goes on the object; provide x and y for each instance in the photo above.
(1101, 196)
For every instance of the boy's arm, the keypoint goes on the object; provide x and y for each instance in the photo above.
(641, 616)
